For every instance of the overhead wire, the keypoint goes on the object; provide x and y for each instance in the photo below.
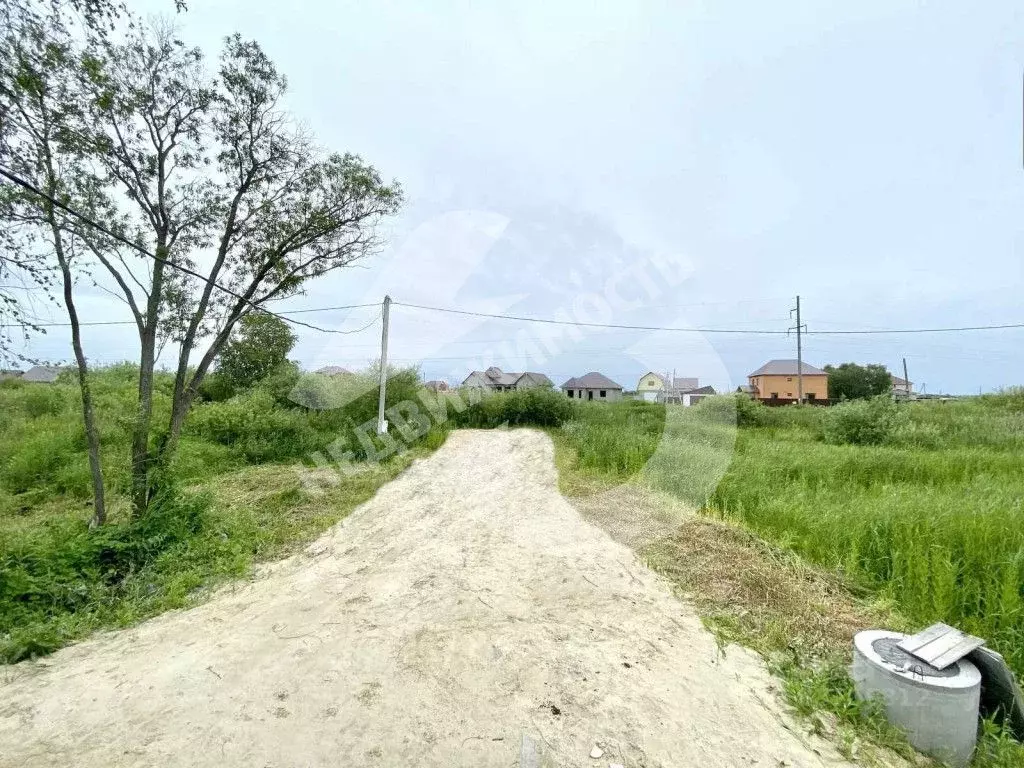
(760, 332)
(160, 260)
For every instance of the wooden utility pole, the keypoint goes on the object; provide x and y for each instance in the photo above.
(382, 425)
(800, 328)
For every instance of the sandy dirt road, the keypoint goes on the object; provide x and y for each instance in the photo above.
(466, 604)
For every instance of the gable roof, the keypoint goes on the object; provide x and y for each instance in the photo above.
(45, 374)
(786, 368)
(592, 380)
(899, 382)
(658, 376)
(539, 379)
(495, 377)
(705, 390)
(681, 384)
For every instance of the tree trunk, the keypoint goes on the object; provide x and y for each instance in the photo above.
(142, 463)
(92, 436)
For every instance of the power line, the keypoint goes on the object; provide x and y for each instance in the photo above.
(125, 241)
(282, 312)
(588, 325)
(702, 330)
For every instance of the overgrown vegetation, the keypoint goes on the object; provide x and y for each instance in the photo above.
(910, 513)
(59, 579)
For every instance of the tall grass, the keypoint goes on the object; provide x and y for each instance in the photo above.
(59, 579)
(923, 504)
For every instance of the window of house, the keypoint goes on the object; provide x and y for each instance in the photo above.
(810, 395)
(602, 393)
(570, 393)
(789, 378)
(775, 395)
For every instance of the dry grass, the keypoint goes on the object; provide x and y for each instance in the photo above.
(761, 596)
(801, 618)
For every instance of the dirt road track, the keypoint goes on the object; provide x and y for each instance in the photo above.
(466, 604)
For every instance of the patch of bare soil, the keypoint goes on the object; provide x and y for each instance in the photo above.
(465, 605)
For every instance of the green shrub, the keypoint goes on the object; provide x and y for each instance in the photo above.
(216, 388)
(38, 456)
(1011, 398)
(254, 427)
(541, 407)
(864, 422)
(751, 412)
(280, 383)
(43, 400)
(49, 572)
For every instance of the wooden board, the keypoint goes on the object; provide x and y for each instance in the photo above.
(940, 645)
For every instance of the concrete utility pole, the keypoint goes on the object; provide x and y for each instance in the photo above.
(382, 425)
(906, 378)
(800, 328)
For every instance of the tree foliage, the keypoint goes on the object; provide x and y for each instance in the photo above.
(195, 197)
(260, 345)
(851, 381)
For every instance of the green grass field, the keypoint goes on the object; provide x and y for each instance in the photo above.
(930, 517)
(863, 515)
(236, 498)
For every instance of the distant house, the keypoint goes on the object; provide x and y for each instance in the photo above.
(676, 389)
(650, 385)
(531, 380)
(694, 396)
(665, 387)
(42, 374)
(592, 386)
(497, 380)
(436, 386)
(777, 381)
(901, 387)
(333, 370)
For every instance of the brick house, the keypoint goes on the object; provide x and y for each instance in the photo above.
(777, 381)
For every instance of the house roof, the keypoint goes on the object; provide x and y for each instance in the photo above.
(658, 376)
(786, 368)
(45, 374)
(436, 385)
(539, 378)
(898, 382)
(495, 377)
(333, 370)
(592, 380)
(705, 390)
(682, 385)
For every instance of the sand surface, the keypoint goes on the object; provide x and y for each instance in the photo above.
(465, 605)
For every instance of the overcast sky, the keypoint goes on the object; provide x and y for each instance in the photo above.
(866, 156)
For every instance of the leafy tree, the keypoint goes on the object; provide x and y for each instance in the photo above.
(850, 381)
(260, 345)
(172, 162)
(39, 108)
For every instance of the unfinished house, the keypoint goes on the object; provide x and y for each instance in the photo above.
(497, 380)
(592, 386)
